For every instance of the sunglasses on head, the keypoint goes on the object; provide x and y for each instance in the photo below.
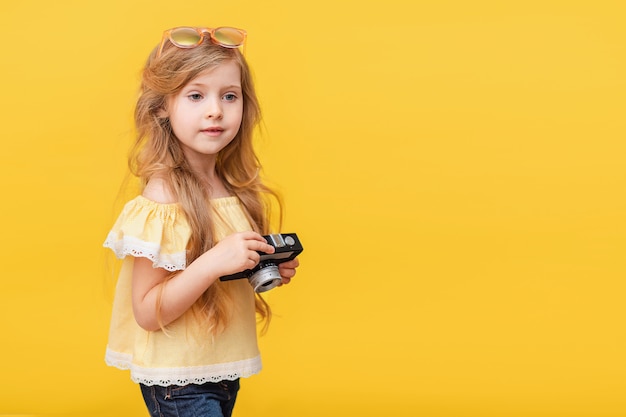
(189, 37)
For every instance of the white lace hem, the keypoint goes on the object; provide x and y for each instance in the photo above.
(138, 248)
(183, 375)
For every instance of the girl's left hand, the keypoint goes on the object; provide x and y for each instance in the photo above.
(288, 270)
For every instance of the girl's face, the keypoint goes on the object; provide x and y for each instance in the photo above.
(206, 114)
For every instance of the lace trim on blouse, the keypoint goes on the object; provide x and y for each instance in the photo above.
(151, 230)
(129, 245)
(185, 375)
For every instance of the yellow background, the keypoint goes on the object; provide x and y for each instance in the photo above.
(455, 170)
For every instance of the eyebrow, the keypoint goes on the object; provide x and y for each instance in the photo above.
(206, 85)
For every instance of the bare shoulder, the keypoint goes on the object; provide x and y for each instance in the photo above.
(158, 190)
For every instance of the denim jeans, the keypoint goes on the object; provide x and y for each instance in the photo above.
(212, 399)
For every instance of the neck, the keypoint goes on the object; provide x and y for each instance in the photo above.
(213, 182)
(204, 167)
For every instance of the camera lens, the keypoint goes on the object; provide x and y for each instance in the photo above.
(266, 278)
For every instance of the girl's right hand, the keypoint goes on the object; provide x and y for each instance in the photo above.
(237, 252)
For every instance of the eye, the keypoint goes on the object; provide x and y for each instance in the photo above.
(195, 96)
(230, 97)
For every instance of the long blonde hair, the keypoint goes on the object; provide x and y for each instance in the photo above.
(157, 152)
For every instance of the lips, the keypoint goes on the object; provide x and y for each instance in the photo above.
(214, 129)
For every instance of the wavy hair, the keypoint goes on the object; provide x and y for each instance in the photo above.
(158, 153)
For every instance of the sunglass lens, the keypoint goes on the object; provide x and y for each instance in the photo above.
(229, 36)
(185, 37)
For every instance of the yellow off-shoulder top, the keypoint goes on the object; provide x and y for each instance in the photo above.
(186, 353)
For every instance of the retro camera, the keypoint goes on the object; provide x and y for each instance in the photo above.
(265, 275)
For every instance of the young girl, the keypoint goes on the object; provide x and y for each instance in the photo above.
(186, 336)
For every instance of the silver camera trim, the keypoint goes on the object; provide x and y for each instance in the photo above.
(265, 278)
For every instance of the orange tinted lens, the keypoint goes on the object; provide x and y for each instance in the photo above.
(229, 37)
(185, 37)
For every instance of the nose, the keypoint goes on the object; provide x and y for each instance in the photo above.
(214, 109)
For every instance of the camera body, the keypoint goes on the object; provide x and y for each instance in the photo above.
(265, 275)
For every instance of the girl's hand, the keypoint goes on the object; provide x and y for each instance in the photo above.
(238, 252)
(288, 270)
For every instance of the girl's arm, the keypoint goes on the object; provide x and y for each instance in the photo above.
(235, 253)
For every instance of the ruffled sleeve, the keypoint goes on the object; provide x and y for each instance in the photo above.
(156, 231)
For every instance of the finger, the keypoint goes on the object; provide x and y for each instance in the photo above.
(261, 246)
(287, 272)
(254, 257)
(250, 235)
(294, 263)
